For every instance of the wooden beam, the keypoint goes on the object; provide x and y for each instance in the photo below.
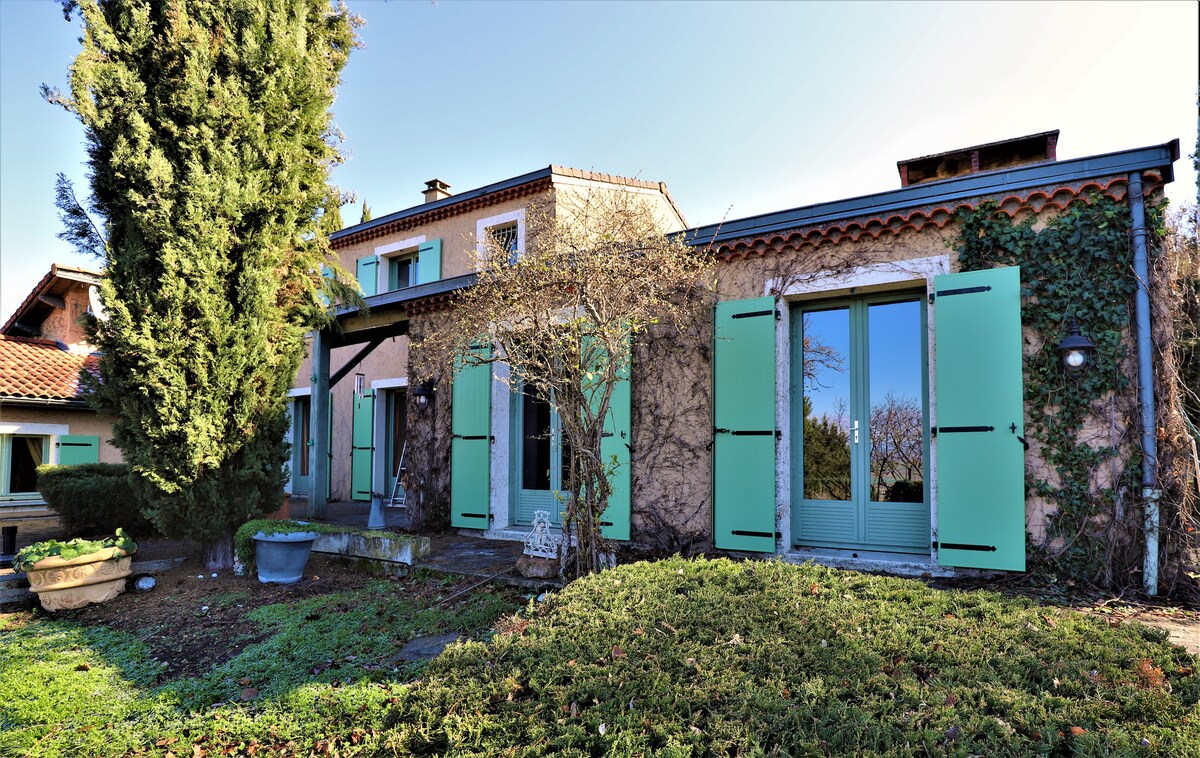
(54, 301)
(340, 374)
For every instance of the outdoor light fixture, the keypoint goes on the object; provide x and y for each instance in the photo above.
(1075, 349)
(423, 393)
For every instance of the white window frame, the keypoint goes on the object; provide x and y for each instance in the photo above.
(384, 254)
(50, 431)
(484, 226)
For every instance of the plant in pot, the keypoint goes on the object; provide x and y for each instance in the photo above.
(278, 548)
(73, 574)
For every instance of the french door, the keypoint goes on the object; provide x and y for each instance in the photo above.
(860, 451)
(539, 461)
(301, 443)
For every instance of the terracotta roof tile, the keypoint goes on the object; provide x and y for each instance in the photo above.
(41, 369)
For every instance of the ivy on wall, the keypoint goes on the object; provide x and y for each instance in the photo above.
(1078, 265)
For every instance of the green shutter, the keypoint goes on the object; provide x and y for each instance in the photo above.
(980, 412)
(616, 443)
(367, 272)
(429, 262)
(470, 444)
(78, 448)
(363, 447)
(744, 425)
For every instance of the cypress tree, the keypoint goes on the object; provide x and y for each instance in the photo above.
(366, 214)
(210, 142)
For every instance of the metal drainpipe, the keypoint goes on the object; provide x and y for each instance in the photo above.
(1150, 491)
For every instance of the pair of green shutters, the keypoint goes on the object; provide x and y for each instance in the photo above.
(429, 267)
(471, 441)
(979, 431)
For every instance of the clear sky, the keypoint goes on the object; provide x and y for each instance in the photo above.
(742, 108)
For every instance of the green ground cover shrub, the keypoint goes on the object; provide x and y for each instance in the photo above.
(93, 498)
(678, 657)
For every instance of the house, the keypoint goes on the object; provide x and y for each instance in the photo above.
(44, 417)
(407, 263)
(859, 397)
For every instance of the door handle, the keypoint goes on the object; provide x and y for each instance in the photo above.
(855, 430)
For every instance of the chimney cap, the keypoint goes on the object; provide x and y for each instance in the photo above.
(437, 184)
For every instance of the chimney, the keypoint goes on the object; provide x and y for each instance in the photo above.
(436, 189)
(994, 156)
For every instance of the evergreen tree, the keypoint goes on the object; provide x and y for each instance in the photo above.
(210, 144)
(366, 214)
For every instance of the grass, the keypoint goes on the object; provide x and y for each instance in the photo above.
(674, 658)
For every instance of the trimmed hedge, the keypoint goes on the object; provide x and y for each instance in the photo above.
(93, 498)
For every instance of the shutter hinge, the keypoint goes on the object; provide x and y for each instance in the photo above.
(932, 296)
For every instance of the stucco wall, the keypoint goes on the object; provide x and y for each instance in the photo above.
(76, 421)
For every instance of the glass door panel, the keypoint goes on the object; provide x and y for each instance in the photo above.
(541, 453)
(301, 444)
(860, 367)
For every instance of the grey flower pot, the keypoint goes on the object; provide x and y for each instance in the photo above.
(281, 558)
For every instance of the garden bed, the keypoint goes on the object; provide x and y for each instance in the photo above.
(678, 657)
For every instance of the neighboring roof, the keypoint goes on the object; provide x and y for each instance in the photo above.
(481, 197)
(38, 369)
(884, 205)
(60, 278)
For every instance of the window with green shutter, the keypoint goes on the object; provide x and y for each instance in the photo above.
(980, 420)
(744, 425)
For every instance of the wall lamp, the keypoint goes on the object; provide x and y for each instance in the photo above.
(422, 394)
(1075, 350)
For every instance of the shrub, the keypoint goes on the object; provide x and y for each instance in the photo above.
(93, 498)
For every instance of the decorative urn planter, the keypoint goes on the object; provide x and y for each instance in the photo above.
(65, 583)
(282, 556)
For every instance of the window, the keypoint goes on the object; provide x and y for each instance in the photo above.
(20, 455)
(506, 231)
(402, 271)
(505, 238)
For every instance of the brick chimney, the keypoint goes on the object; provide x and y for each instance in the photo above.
(993, 156)
(436, 189)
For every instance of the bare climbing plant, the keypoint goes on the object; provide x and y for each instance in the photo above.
(560, 316)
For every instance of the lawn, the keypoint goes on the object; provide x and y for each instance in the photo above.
(678, 657)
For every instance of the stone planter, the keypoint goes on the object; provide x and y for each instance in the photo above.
(75, 582)
(281, 557)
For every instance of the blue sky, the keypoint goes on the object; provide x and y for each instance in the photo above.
(741, 108)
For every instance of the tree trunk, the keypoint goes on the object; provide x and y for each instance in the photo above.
(218, 554)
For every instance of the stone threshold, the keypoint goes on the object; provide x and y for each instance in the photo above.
(916, 565)
(374, 554)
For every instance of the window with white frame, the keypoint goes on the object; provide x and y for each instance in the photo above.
(398, 264)
(20, 455)
(503, 233)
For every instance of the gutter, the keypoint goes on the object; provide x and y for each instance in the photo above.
(41, 402)
(1150, 491)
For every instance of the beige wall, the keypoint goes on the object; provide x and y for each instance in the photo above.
(76, 421)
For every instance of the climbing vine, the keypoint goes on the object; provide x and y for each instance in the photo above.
(1077, 266)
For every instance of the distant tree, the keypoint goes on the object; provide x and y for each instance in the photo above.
(826, 457)
(366, 213)
(210, 143)
(595, 274)
(897, 443)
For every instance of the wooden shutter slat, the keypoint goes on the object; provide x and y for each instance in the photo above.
(470, 444)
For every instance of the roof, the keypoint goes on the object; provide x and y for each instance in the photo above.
(32, 309)
(884, 204)
(491, 194)
(38, 369)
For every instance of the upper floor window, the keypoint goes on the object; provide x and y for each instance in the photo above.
(503, 234)
(402, 271)
(505, 239)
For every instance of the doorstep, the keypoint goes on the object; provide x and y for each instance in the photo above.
(898, 564)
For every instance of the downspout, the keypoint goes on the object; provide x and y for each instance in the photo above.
(1150, 491)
